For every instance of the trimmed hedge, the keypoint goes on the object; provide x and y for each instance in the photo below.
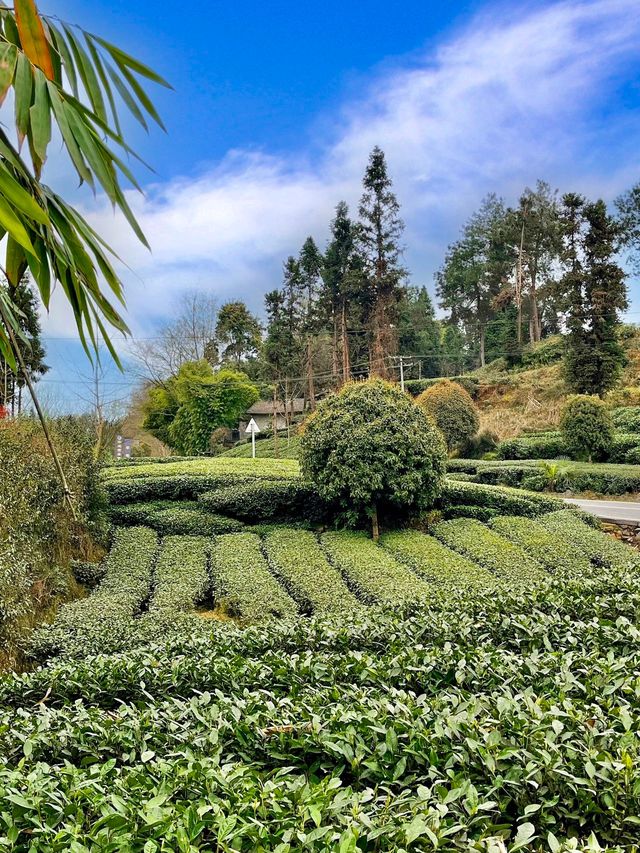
(434, 561)
(88, 574)
(507, 561)
(174, 518)
(505, 500)
(378, 577)
(262, 501)
(181, 576)
(96, 622)
(557, 554)
(174, 488)
(627, 419)
(599, 547)
(242, 581)
(547, 445)
(470, 384)
(297, 557)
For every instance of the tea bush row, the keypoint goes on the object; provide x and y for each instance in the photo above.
(105, 615)
(242, 582)
(372, 571)
(512, 717)
(556, 553)
(596, 545)
(295, 555)
(264, 501)
(507, 561)
(174, 518)
(436, 563)
(551, 445)
(181, 578)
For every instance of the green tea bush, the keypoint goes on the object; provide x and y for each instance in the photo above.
(622, 445)
(435, 562)
(586, 427)
(506, 560)
(174, 518)
(378, 577)
(287, 448)
(453, 411)
(181, 576)
(596, 545)
(505, 500)
(548, 351)
(626, 419)
(547, 445)
(368, 450)
(263, 501)
(107, 612)
(87, 573)
(470, 384)
(242, 581)
(296, 557)
(556, 553)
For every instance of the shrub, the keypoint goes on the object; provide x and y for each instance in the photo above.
(263, 501)
(557, 554)
(507, 561)
(507, 501)
(296, 556)
(626, 418)
(453, 411)
(181, 577)
(622, 446)
(547, 445)
(368, 449)
(470, 384)
(586, 427)
(378, 577)
(478, 445)
(548, 351)
(88, 574)
(242, 582)
(95, 622)
(174, 517)
(632, 457)
(603, 549)
(435, 562)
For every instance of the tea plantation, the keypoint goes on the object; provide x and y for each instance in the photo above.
(230, 683)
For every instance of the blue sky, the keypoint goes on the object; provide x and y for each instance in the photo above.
(276, 106)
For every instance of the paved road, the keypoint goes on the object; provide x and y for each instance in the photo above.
(622, 512)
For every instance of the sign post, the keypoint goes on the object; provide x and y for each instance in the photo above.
(253, 428)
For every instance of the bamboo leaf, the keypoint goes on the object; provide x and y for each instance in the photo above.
(20, 198)
(65, 57)
(87, 75)
(40, 117)
(67, 135)
(23, 87)
(143, 97)
(13, 225)
(123, 59)
(126, 97)
(15, 263)
(95, 56)
(32, 36)
(8, 59)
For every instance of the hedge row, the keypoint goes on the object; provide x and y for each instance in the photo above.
(626, 419)
(266, 501)
(97, 621)
(551, 445)
(378, 577)
(555, 553)
(181, 576)
(577, 476)
(433, 561)
(505, 500)
(317, 586)
(507, 561)
(417, 386)
(598, 546)
(242, 582)
(174, 518)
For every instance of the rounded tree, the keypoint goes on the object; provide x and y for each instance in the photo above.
(453, 410)
(371, 451)
(586, 427)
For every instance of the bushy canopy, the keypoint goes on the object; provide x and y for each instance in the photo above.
(370, 449)
(192, 404)
(453, 411)
(587, 427)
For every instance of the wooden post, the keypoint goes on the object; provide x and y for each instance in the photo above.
(374, 524)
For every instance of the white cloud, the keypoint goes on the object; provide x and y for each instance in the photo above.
(511, 97)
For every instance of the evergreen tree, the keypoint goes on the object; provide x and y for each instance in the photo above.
(12, 382)
(310, 269)
(452, 350)
(379, 232)
(628, 205)
(594, 291)
(238, 333)
(419, 332)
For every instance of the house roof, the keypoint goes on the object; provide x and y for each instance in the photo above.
(265, 407)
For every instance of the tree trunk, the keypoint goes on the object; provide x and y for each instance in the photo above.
(334, 354)
(535, 327)
(482, 339)
(19, 399)
(375, 530)
(346, 366)
(310, 384)
(275, 421)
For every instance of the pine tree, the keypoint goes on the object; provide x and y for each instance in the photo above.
(594, 291)
(310, 264)
(12, 383)
(238, 333)
(379, 232)
(419, 332)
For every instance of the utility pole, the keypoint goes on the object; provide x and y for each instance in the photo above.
(401, 359)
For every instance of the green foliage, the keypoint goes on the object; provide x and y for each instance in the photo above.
(586, 427)
(626, 419)
(547, 351)
(506, 500)
(470, 384)
(181, 579)
(238, 333)
(100, 619)
(174, 517)
(242, 582)
(368, 448)
(287, 448)
(507, 561)
(434, 562)
(545, 445)
(313, 582)
(373, 572)
(263, 501)
(600, 548)
(558, 554)
(452, 410)
(192, 404)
